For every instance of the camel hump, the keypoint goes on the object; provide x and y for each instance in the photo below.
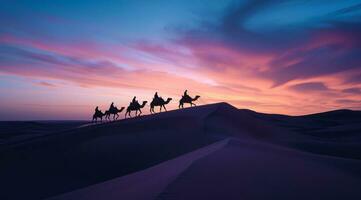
(187, 98)
(98, 113)
(134, 104)
(157, 100)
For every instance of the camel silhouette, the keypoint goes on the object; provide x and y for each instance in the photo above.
(187, 99)
(98, 114)
(159, 102)
(113, 112)
(135, 107)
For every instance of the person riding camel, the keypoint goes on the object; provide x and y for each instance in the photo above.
(97, 110)
(185, 93)
(134, 100)
(111, 106)
(156, 95)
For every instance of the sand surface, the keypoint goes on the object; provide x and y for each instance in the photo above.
(208, 152)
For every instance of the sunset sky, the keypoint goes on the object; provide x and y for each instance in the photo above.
(60, 59)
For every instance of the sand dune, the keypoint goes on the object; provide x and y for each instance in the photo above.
(160, 157)
(258, 171)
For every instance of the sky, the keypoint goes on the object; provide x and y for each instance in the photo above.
(60, 59)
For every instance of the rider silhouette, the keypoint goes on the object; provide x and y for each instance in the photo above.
(111, 106)
(185, 93)
(156, 95)
(134, 100)
(97, 109)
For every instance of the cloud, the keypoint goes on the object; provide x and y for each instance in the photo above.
(51, 63)
(45, 84)
(238, 13)
(325, 48)
(309, 87)
(355, 78)
(43, 62)
(352, 90)
(352, 103)
(350, 9)
(325, 60)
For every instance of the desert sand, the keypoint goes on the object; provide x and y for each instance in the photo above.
(207, 152)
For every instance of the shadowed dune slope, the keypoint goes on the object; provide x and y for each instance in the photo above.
(17, 131)
(334, 133)
(251, 170)
(71, 159)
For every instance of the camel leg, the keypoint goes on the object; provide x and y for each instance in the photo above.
(165, 108)
(140, 112)
(160, 110)
(117, 116)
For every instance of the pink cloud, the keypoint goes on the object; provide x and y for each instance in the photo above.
(216, 72)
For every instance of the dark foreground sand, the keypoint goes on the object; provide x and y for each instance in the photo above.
(208, 152)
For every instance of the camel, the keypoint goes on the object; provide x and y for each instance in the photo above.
(187, 99)
(97, 115)
(135, 107)
(115, 112)
(159, 102)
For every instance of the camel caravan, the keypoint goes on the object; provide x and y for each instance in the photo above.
(134, 105)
